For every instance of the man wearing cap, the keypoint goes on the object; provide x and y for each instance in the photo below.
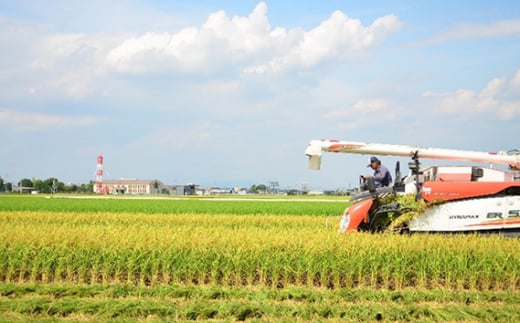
(382, 176)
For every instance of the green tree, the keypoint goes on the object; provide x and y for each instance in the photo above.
(50, 185)
(54, 185)
(71, 188)
(2, 188)
(86, 188)
(255, 189)
(261, 188)
(39, 185)
(25, 184)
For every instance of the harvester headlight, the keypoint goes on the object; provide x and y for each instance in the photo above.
(344, 222)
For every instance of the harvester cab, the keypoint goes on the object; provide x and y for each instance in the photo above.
(371, 206)
(409, 184)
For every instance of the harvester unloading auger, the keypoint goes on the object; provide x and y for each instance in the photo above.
(454, 198)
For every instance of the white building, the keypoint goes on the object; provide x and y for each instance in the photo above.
(132, 186)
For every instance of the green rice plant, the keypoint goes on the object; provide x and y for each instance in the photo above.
(173, 205)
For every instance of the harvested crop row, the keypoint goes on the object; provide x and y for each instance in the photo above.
(123, 302)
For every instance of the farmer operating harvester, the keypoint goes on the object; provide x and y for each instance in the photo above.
(432, 199)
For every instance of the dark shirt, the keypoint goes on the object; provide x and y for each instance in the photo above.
(382, 176)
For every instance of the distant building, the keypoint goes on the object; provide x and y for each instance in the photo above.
(225, 191)
(189, 189)
(132, 186)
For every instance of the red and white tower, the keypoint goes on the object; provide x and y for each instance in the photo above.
(99, 175)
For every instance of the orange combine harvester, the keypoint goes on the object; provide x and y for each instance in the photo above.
(459, 198)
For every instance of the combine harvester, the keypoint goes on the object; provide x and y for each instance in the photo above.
(454, 198)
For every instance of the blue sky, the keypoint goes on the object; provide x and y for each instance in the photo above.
(223, 93)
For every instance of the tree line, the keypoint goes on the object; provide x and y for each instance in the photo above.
(53, 185)
(47, 186)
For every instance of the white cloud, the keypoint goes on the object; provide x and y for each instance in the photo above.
(336, 37)
(359, 108)
(35, 122)
(248, 39)
(370, 106)
(58, 65)
(499, 99)
(180, 138)
(363, 112)
(243, 34)
(515, 82)
(195, 48)
(80, 65)
(468, 31)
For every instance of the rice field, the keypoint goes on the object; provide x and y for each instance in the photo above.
(136, 259)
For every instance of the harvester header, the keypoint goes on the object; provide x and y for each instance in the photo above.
(316, 147)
